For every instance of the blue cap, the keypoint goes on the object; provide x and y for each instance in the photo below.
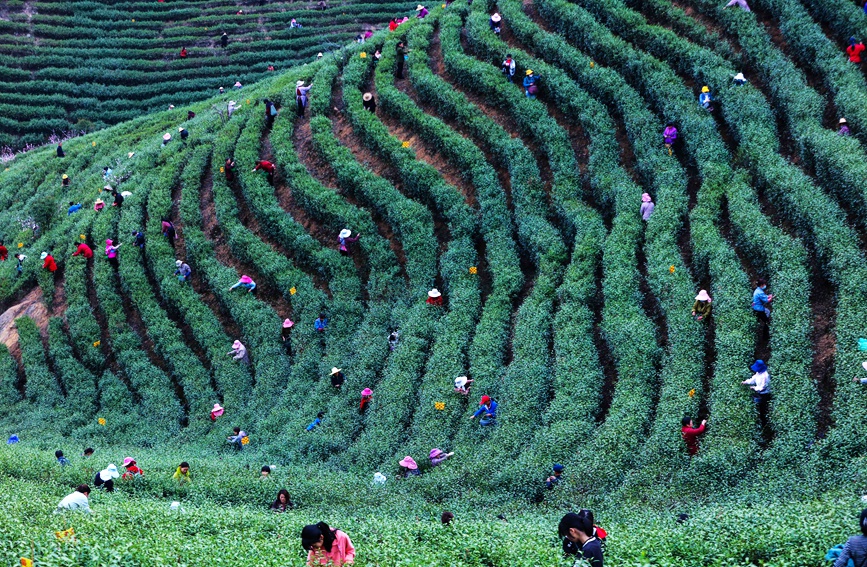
(558, 467)
(759, 366)
(12, 440)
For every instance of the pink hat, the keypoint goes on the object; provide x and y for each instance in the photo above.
(434, 453)
(702, 296)
(237, 344)
(645, 198)
(246, 279)
(288, 324)
(409, 463)
(367, 392)
(128, 461)
(218, 410)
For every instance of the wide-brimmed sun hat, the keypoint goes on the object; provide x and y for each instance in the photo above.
(334, 370)
(409, 463)
(178, 263)
(367, 96)
(434, 293)
(496, 17)
(740, 77)
(167, 136)
(864, 365)
(702, 296)
(367, 392)
(645, 198)
(108, 473)
(299, 83)
(218, 410)
(64, 176)
(529, 72)
(345, 233)
(461, 381)
(842, 121)
(246, 279)
(128, 461)
(419, 8)
(759, 366)
(434, 453)
(43, 256)
(237, 344)
(288, 323)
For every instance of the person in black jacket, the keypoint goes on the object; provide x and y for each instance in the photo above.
(224, 40)
(856, 547)
(578, 529)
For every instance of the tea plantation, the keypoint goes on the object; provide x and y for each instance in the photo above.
(73, 66)
(560, 301)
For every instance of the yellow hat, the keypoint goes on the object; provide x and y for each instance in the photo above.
(705, 90)
(529, 71)
(64, 176)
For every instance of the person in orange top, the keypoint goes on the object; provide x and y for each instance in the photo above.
(3, 252)
(327, 546)
(83, 250)
(690, 434)
(49, 263)
(854, 50)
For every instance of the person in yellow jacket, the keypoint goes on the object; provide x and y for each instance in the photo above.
(182, 475)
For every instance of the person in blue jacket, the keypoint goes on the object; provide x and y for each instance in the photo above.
(705, 99)
(760, 303)
(488, 411)
(73, 207)
(316, 421)
(531, 89)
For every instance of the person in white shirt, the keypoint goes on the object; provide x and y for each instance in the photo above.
(76, 501)
(760, 383)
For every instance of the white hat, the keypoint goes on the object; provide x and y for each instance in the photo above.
(864, 364)
(129, 155)
(167, 136)
(125, 193)
(496, 17)
(108, 473)
(299, 83)
(178, 263)
(175, 506)
(180, 128)
(842, 121)
(419, 8)
(740, 77)
(461, 381)
(334, 370)
(379, 478)
(319, 54)
(171, 106)
(345, 233)
(232, 103)
(702, 296)
(434, 293)
(43, 256)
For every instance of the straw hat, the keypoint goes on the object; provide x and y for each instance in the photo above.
(109, 473)
(345, 233)
(645, 198)
(167, 136)
(288, 324)
(43, 256)
(842, 121)
(705, 90)
(299, 83)
(702, 296)
(409, 463)
(64, 176)
(496, 18)
(367, 392)
(419, 8)
(334, 370)
(128, 461)
(434, 293)
(218, 410)
(99, 202)
(367, 96)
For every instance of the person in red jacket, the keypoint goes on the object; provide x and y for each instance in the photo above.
(49, 263)
(854, 50)
(183, 52)
(3, 252)
(267, 166)
(83, 250)
(690, 434)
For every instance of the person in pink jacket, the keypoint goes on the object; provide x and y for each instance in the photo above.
(326, 546)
